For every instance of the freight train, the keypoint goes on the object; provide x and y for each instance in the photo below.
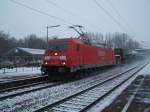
(70, 55)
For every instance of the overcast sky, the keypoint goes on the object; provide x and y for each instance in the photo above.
(20, 21)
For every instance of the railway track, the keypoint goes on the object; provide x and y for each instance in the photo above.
(17, 83)
(53, 93)
(24, 89)
(20, 82)
(12, 84)
(83, 100)
(11, 78)
(134, 98)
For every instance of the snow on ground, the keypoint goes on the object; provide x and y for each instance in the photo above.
(49, 95)
(110, 98)
(145, 70)
(21, 71)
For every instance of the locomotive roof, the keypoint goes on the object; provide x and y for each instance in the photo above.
(65, 39)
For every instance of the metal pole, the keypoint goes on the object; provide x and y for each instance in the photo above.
(4, 70)
(47, 33)
(47, 38)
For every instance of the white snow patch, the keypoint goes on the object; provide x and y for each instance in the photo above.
(145, 70)
(146, 100)
(110, 98)
(21, 71)
(49, 95)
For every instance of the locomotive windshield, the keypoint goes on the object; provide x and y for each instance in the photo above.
(57, 46)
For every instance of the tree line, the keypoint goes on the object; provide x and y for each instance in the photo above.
(8, 42)
(113, 40)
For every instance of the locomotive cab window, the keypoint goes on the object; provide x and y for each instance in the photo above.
(58, 46)
(78, 47)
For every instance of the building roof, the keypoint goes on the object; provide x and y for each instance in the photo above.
(32, 51)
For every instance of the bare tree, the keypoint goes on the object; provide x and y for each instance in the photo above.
(108, 40)
(6, 42)
(32, 41)
(114, 40)
(95, 38)
(121, 40)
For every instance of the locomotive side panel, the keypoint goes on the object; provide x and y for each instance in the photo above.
(75, 56)
(110, 56)
(95, 57)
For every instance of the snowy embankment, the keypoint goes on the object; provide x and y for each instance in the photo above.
(110, 98)
(34, 100)
(21, 71)
(145, 71)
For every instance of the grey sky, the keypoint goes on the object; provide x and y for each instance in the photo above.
(20, 21)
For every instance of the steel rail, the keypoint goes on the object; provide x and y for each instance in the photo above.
(113, 89)
(16, 83)
(8, 90)
(83, 91)
(3, 97)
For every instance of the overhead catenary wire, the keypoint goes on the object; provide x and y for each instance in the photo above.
(119, 15)
(111, 16)
(61, 19)
(117, 12)
(58, 6)
(71, 13)
(41, 12)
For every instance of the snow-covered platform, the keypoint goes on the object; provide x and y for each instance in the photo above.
(145, 71)
(135, 98)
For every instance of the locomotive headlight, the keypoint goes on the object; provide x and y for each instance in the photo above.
(47, 57)
(46, 63)
(63, 63)
(62, 57)
(55, 54)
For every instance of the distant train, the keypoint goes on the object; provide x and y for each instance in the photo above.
(70, 55)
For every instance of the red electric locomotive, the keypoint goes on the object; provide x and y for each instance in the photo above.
(72, 55)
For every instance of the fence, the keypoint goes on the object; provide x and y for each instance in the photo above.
(20, 64)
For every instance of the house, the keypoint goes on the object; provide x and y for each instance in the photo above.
(23, 55)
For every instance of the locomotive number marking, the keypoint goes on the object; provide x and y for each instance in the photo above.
(101, 53)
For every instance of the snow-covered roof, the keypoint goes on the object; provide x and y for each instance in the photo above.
(32, 51)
